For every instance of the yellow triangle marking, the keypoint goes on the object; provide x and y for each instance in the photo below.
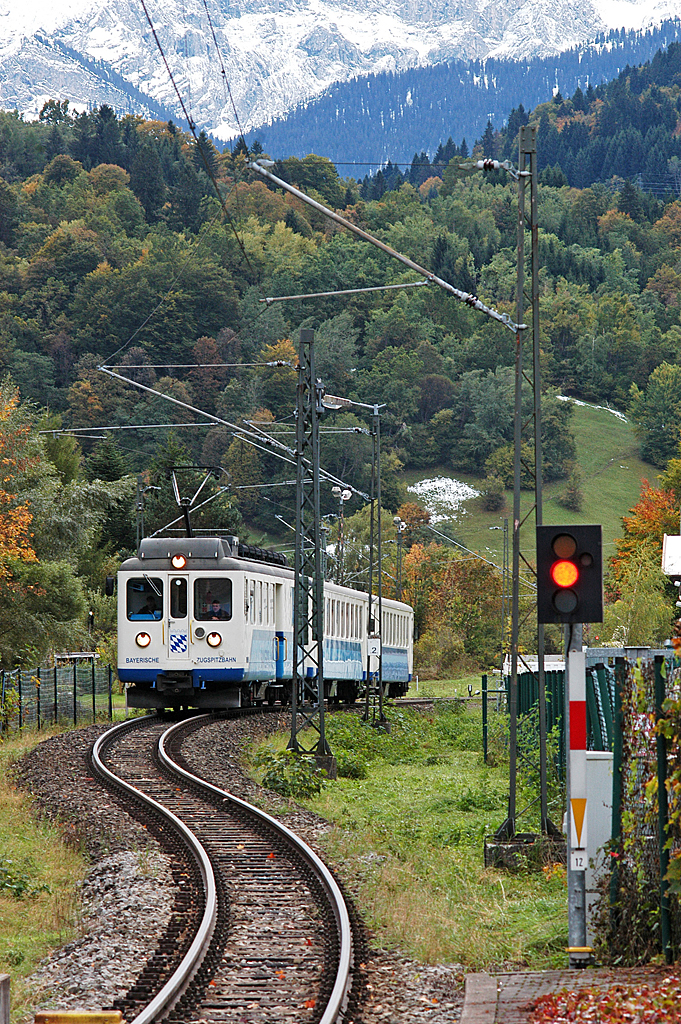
(578, 812)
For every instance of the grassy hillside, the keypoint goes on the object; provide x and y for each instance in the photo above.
(607, 454)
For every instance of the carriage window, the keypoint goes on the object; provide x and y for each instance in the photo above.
(213, 599)
(251, 600)
(271, 604)
(258, 601)
(145, 598)
(178, 598)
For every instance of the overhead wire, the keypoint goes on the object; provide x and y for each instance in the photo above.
(225, 80)
(277, 448)
(192, 127)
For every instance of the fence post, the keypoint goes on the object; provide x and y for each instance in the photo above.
(2, 702)
(75, 705)
(616, 828)
(21, 710)
(484, 717)
(4, 998)
(110, 700)
(94, 701)
(663, 810)
(37, 695)
(56, 697)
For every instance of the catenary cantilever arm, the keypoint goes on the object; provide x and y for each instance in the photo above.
(471, 300)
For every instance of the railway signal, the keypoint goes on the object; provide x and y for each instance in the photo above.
(569, 574)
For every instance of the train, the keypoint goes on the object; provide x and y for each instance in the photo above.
(207, 622)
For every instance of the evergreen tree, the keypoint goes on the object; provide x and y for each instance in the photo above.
(630, 201)
(205, 154)
(146, 181)
(488, 140)
(107, 461)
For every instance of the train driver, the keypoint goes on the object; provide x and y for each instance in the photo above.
(150, 610)
(217, 611)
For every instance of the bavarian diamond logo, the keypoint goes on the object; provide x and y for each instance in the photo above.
(178, 643)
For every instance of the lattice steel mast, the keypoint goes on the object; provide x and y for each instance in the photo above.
(307, 693)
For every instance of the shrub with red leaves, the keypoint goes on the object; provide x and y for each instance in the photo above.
(658, 1003)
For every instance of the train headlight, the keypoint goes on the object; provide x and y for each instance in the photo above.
(214, 639)
(178, 561)
(142, 639)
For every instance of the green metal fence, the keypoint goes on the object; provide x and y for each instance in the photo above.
(47, 695)
(600, 704)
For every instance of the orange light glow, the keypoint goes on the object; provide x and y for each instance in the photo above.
(564, 574)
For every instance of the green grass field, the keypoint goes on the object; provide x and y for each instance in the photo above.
(607, 454)
(409, 840)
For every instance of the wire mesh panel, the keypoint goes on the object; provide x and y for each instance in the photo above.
(75, 693)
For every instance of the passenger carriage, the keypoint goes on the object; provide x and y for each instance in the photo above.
(207, 622)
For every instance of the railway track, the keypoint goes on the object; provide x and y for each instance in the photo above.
(260, 930)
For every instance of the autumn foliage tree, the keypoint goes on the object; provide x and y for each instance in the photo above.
(15, 515)
(456, 600)
(640, 603)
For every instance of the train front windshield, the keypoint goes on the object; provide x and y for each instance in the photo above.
(144, 598)
(213, 599)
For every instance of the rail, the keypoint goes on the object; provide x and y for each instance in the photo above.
(339, 993)
(183, 974)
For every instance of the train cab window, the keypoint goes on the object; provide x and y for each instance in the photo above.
(178, 597)
(144, 598)
(213, 599)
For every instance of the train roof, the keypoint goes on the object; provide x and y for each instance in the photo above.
(200, 553)
(224, 553)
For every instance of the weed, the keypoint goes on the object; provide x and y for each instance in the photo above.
(290, 774)
(351, 766)
(17, 882)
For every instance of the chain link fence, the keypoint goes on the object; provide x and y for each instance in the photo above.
(76, 693)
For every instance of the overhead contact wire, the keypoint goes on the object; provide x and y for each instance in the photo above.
(192, 127)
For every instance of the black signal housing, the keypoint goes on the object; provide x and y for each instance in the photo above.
(569, 574)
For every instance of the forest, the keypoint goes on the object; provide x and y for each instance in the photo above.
(116, 249)
(391, 114)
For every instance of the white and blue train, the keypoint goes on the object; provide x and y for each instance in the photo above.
(207, 622)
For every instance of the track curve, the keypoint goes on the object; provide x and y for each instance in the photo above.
(275, 939)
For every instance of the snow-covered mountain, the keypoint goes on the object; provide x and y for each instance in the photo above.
(276, 53)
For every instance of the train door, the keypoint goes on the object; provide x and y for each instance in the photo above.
(281, 641)
(178, 629)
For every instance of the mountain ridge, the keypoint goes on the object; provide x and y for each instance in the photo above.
(275, 55)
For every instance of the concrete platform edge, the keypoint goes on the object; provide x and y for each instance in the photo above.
(480, 999)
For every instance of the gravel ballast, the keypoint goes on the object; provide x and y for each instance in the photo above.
(128, 894)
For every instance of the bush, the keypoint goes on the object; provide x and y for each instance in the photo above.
(492, 496)
(290, 773)
(572, 497)
(350, 766)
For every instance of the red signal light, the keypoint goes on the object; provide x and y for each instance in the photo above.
(564, 574)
